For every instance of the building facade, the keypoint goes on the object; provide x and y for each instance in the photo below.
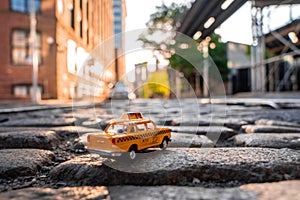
(73, 63)
(239, 64)
(119, 10)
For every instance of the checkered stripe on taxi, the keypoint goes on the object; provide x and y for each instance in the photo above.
(140, 136)
(126, 139)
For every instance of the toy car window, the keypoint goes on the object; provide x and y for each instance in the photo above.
(118, 128)
(125, 128)
(132, 130)
(141, 127)
(150, 126)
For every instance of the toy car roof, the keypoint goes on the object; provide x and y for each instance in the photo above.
(130, 118)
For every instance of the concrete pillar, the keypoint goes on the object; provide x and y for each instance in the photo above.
(258, 70)
(205, 69)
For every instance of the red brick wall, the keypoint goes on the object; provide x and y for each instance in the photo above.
(22, 74)
(53, 71)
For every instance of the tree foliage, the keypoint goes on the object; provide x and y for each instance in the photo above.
(163, 22)
(180, 64)
(217, 51)
(166, 20)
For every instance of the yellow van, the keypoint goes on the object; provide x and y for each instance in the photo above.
(131, 133)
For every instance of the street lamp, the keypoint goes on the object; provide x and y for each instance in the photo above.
(35, 59)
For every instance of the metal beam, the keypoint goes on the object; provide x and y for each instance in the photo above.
(222, 16)
(263, 3)
(201, 11)
(201, 16)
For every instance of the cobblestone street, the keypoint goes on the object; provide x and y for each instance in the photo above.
(234, 148)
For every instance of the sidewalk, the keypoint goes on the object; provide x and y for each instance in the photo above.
(24, 106)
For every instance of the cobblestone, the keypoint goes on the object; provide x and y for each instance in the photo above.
(29, 139)
(190, 140)
(186, 169)
(210, 131)
(23, 162)
(271, 140)
(180, 166)
(40, 122)
(269, 129)
(57, 194)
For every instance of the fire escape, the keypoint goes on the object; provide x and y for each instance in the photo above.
(280, 70)
(277, 72)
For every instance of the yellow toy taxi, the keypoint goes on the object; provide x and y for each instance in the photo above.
(131, 133)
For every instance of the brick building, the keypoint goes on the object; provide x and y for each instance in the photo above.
(119, 10)
(74, 45)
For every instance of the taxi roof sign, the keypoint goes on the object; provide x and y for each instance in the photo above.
(132, 116)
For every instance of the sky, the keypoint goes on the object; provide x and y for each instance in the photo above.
(240, 22)
(236, 28)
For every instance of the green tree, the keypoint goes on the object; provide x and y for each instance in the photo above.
(217, 51)
(181, 64)
(165, 20)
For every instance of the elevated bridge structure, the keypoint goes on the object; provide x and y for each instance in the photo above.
(205, 16)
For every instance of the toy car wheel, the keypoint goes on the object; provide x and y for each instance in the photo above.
(132, 153)
(164, 144)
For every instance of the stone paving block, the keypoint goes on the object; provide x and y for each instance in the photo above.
(261, 191)
(277, 190)
(57, 194)
(38, 139)
(62, 131)
(3, 119)
(271, 140)
(40, 122)
(210, 131)
(190, 140)
(290, 115)
(230, 123)
(73, 131)
(23, 162)
(6, 129)
(91, 123)
(22, 108)
(180, 166)
(276, 123)
(269, 129)
(177, 192)
(289, 105)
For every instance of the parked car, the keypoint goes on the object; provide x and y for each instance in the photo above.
(131, 134)
(121, 91)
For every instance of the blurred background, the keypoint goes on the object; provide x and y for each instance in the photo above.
(82, 49)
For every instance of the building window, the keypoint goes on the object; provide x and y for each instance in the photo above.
(71, 56)
(81, 28)
(60, 6)
(117, 14)
(20, 91)
(25, 90)
(21, 47)
(24, 5)
(87, 26)
(72, 14)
